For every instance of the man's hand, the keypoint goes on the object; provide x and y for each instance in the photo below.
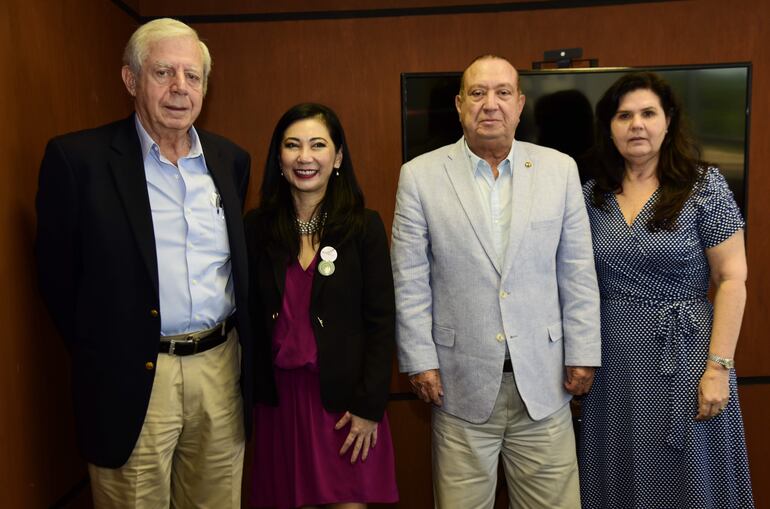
(579, 380)
(427, 386)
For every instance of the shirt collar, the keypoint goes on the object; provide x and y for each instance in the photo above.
(148, 144)
(477, 163)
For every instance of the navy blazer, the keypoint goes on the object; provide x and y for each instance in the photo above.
(98, 275)
(352, 313)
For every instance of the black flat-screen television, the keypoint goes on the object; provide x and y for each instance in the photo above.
(559, 112)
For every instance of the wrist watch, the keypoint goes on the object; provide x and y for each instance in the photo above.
(725, 363)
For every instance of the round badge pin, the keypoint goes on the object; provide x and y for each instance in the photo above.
(326, 268)
(329, 254)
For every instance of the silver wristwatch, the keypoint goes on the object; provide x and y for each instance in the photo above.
(725, 363)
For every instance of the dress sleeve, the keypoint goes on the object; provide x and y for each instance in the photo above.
(718, 214)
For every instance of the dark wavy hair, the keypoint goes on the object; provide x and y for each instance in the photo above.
(679, 161)
(343, 201)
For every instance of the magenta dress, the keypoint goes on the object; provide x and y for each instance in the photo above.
(296, 458)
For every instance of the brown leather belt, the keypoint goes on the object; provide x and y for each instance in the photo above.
(196, 342)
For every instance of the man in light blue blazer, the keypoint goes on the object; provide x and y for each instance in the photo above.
(497, 301)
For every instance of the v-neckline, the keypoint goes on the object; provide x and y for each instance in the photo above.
(642, 210)
(310, 264)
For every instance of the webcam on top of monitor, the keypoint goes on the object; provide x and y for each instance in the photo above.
(564, 58)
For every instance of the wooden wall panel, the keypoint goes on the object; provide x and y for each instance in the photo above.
(354, 66)
(207, 7)
(756, 415)
(410, 429)
(61, 63)
(63, 74)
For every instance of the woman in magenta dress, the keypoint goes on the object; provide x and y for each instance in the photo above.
(323, 309)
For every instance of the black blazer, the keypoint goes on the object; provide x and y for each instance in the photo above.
(98, 275)
(352, 313)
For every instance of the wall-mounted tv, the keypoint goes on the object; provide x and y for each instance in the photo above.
(559, 112)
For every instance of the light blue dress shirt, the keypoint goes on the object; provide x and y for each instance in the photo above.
(191, 242)
(497, 196)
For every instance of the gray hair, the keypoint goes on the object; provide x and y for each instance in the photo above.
(138, 46)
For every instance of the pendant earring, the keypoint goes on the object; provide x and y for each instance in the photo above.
(337, 173)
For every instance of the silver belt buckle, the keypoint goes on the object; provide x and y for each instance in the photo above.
(171, 347)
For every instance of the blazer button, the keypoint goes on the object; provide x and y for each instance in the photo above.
(154, 313)
(149, 365)
(500, 337)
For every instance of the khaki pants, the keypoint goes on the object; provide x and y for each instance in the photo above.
(538, 457)
(190, 451)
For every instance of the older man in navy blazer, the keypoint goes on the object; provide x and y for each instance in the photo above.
(497, 301)
(142, 263)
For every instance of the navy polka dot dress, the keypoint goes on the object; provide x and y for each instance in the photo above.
(639, 444)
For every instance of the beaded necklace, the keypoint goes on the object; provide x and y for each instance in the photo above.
(312, 226)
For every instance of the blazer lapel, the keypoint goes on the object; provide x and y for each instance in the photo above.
(222, 167)
(460, 174)
(220, 174)
(128, 171)
(523, 181)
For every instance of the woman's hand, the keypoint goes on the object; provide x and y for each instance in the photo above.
(362, 436)
(713, 392)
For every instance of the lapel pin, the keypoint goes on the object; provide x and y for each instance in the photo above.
(328, 257)
(329, 254)
(326, 268)
(528, 164)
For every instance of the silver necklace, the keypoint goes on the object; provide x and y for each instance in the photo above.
(312, 226)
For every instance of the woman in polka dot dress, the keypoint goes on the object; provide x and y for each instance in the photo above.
(662, 427)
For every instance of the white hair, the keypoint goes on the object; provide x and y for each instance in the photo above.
(138, 46)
